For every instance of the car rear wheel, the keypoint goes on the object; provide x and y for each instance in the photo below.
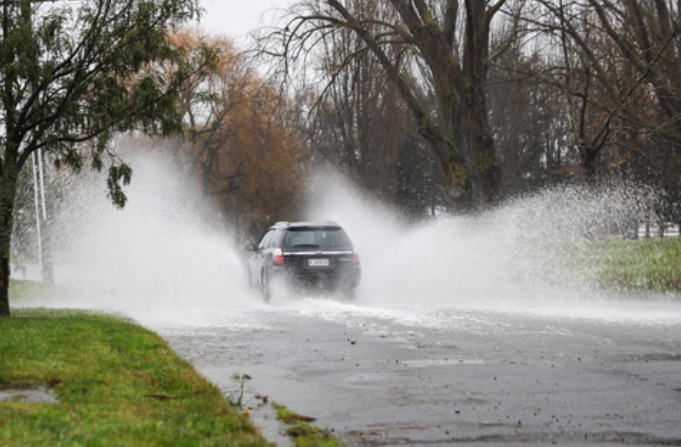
(266, 287)
(249, 279)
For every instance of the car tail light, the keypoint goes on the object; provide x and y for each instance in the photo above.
(278, 256)
(355, 258)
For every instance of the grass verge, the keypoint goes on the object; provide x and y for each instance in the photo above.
(116, 384)
(302, 432)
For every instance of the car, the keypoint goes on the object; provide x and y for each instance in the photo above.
(295, 255)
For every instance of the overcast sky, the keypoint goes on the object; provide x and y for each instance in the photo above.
(236, 18)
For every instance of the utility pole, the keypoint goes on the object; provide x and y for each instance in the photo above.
(43, 229)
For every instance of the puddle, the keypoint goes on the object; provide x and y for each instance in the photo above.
(38, 394)
(426, 363)
(265, 418)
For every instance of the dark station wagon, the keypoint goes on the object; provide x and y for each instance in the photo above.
(303, 254)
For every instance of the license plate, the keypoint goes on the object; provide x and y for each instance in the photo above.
(318, 262)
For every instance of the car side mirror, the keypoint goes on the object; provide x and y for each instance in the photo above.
(250, 247)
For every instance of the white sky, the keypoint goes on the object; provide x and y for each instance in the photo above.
(236, 18)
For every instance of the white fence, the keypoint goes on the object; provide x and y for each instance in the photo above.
(655, 230)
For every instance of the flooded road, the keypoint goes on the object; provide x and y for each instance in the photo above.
(382, 377)
(483, 329)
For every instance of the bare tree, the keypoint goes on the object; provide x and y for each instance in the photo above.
(361, 121)
(452, 45)
(648, 37)
(528, 118)
(617, 65)
(598, 90)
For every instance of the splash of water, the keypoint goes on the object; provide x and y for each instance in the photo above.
(162, 261)
(160, 258)
(524, 256)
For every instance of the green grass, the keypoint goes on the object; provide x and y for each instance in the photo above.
(117, 385)
(301, 432)
(639, 265)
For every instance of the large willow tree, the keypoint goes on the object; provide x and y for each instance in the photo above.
(72, 76)
(449, 40)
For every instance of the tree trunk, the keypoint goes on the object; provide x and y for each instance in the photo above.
(480, 144)
(478, 136)
(589, 162)
(8, 187)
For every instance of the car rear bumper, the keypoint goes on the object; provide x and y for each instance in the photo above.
(327, 279)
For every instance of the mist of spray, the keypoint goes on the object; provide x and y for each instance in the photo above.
(162, 257)
(163, 261)
(524, 256)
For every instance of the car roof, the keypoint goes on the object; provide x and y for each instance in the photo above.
(286, 224)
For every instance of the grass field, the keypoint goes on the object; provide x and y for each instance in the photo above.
(637, 265)
(115, 384)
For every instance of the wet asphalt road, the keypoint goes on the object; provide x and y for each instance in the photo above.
(453, 376)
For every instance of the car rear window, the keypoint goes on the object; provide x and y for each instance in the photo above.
(316, 237)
